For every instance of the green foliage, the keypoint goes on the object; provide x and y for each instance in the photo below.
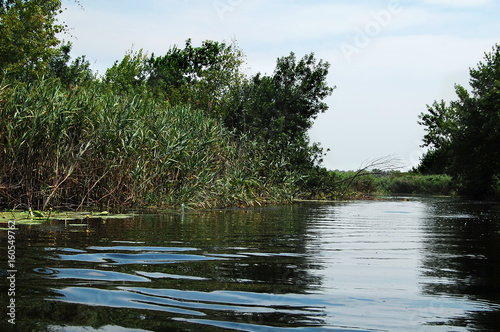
(278, 110)
(403, 183)
(28, 36)
(275, 111)
(128, 77)
(198, 76)
(336, 185)
(285, 103)
(355, 184)
(87, 146)
(434, 161)
(184, 128)
(70, 74)
(319, 183)
(463, 136)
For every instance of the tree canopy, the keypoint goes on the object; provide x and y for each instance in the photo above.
(201, 76)
(28, 36)
(464, 135)
(287, 101)
(278, 110)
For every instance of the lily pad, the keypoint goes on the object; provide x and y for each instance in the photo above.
(37, 217)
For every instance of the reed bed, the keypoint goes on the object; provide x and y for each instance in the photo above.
(394, 183)
(439, 184)
(84, 147)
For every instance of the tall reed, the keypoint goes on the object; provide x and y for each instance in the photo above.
(85, 146)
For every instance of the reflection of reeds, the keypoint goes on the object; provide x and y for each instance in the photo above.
(82, 146)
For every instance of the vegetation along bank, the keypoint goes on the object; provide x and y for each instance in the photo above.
(182, 129)
(189, 128)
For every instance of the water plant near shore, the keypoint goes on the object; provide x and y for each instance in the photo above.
(85, 146)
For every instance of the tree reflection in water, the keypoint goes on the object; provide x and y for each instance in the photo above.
(461, 258)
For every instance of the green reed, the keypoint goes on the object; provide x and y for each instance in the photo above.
(85, 146)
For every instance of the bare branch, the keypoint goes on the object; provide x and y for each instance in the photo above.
(375, 166)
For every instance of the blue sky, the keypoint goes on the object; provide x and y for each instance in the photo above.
(388, 58)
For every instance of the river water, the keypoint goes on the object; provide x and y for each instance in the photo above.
(397, 264)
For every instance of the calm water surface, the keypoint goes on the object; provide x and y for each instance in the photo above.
(421, 264)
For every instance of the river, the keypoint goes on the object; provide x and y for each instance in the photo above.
(396, 264)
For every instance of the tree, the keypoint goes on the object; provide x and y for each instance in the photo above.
(464, 136)
(300, 88)
(278, 110)
(28, 36)
(69, 73)
(129, 75)
(286, 102)
(441, 124)
(200, 76)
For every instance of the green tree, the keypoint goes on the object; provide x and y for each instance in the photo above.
(70, 73)
(274, 111)
(28, 36)
(278, 110)
(200, 76)
(286, 102)
(441, 123)
(129, 75)
(463, 136)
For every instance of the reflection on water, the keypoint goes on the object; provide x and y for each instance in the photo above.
(462, 260)
(419, 264)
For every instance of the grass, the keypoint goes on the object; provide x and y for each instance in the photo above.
(397, 183)
(348, 185)
(401, 183)
(80, 147)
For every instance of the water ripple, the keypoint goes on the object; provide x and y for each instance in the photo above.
(121, 299)
(142, 249)
(191, 302)
(247, 299)
(153, 257)
(91, 274)
(159, 275)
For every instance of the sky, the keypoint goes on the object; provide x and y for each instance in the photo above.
(388, 59)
